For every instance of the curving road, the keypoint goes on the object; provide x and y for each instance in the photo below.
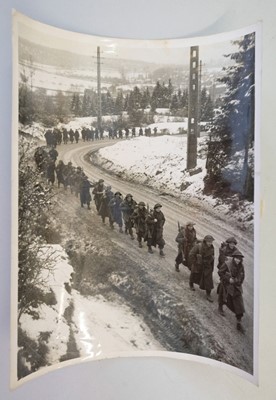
(223, 329)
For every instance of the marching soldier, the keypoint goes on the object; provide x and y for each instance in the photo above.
(60, 172)
(155, 222)
(85, 196)
(77, 136)
(65, 136)
(53, 154)
(76, 181)
(115, 207)
(226, 250)
(231, 275)
(98, 192)
(201, 259)
(71, 135)
(186, 239)
(104, 210)
(127, 207)
(139, 218)
(51, 171)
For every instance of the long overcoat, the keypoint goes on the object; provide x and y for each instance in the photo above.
(189, 242)
(59, 171)
(98, 192)
(154, 232)
(232, 292)
(104, 209)
(201, 261)
(115, 207)
(85, 196)
(128, 208)
(139, 218)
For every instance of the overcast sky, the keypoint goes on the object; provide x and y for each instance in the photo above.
(173, 51)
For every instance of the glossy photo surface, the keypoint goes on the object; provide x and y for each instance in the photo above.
(134, 199)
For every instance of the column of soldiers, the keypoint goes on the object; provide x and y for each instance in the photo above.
(57, 136)
(197, 255)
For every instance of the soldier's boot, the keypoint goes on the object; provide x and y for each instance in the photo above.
(220, 310)
(240, 328)
(177, 267)
(88, 206)
(191, 286)
(161, 252)
(121, 230)
(140, 244)
(132, 236)
(208, 296)
(82, 205)
(150, 250)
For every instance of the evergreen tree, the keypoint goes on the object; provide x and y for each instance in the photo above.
(86, 103)
(134, 109)
(207, 107)
(145, 100)
(25, 98)
(76, 106)
(61, 106)
(174, 104)
(184, 98)
(233, 130)
(109, 104)
(167, 94)
(126, 100)
(119, 103)
(157, 95)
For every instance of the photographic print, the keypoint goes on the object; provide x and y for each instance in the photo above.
(134, 191)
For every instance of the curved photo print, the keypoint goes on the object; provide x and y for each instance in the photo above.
(134, 173)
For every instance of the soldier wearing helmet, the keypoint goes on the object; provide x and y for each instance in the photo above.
(104, 210)
(232, 275)
(127, 207)
(201, 259)
(226, 250)
(85, 196)
(155, 222)
(98, 192)
(139, 220)
(116, 212)
(186, 239)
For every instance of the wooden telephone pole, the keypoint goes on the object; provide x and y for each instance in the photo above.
(193, 112)
(99, 116)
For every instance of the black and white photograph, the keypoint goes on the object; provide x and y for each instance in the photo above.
(134, 199)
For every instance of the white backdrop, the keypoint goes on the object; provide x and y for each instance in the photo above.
(148, 378)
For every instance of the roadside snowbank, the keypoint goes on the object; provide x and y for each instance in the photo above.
(160, 162)
(99, 328)
(51, 318)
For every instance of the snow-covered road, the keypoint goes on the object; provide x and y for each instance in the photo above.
(207, 222)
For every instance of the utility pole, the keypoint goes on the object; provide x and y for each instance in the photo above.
(199, 97)
(193, 108)
(99, 117)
